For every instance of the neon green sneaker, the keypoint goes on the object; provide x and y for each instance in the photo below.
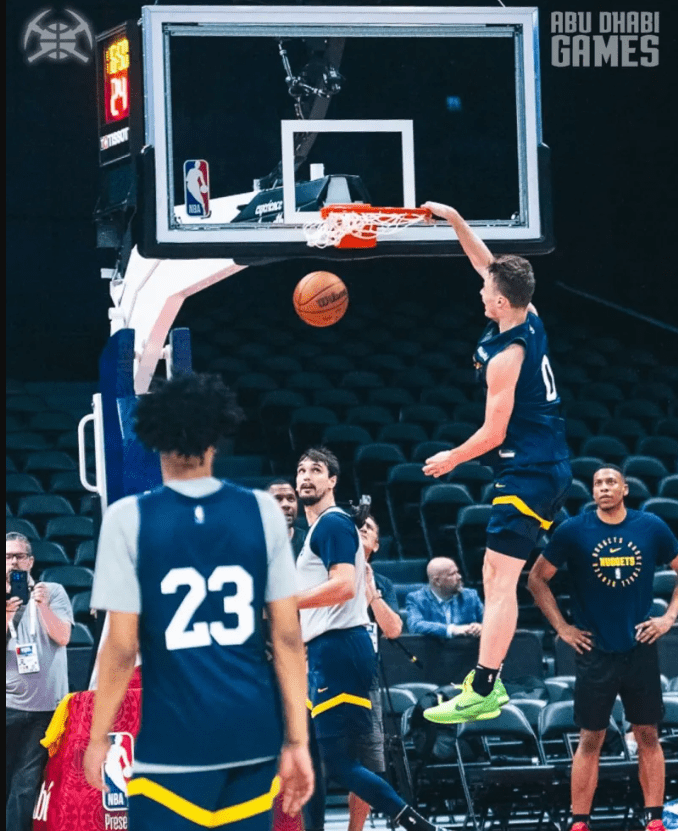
(467, 706)
(500, 693)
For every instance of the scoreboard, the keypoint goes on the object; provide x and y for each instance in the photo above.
(120, 99)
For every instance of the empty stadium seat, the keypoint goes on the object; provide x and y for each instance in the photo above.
(667, 427)
(21, 526)
(406, 436)
(85, 554)
(643, 410)
(45, 463)
(80, 636)
(667, 509)
(26, 404)
(664, 448)
(18, 485)
(427, 416)
(47, 554)
(415, 380)
(426, 449)
(279, 367)
(474, 475)
(593, 413)
(439, 508)
(307, 425)
(472, 531)
(370, 469)
(339, 401)
(602, 391)
(577, 495)
(70, 531)
(446, 397)
(308, 382)
(668, 487)
(371, 417)
(73, 578)
(361, 383)
(251, 388)
(386, 366)
(39, 508)
(67, 484)
(402, 571)
(344, 440)
(82, 610)
(472, 413)
(576, 431)
(647, 468)
(583, 467)
(638, 492)
(404, 485)
(609, 448)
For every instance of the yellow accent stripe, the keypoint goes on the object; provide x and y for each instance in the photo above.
(343, 698)
(57, 726)
(201, 816)
(518, 503)
(309, 703)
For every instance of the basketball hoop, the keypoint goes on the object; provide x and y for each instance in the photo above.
(357, 226)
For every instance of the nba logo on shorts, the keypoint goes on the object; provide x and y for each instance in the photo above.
(117, 770)
(197, 188)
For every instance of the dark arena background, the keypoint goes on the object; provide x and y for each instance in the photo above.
(396, 370)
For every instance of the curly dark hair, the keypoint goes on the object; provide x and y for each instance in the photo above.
(514, 278)
(187, 414)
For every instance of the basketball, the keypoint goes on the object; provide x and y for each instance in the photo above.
(320, 298)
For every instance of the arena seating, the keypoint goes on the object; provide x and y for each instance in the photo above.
(387, 388)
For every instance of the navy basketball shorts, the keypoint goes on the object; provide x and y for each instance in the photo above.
(237, 799)
(341, 667)
(524, 502)
(633, 676)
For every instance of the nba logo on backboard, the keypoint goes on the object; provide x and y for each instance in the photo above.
(197, 187)
(117, 770)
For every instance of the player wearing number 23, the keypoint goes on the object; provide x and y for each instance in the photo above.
(186, 571)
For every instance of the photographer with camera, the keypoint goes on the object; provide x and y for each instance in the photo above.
(38, 620)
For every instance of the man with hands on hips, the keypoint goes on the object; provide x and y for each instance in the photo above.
(611, 555)
(36, 677)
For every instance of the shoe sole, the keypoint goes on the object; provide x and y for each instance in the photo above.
(454, 718)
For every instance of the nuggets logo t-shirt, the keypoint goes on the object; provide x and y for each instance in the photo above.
(611, 571)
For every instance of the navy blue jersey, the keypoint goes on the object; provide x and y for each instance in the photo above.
(536, 431)
(209, 693)
(611, 571)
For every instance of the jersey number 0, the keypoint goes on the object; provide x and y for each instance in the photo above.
(178, 635)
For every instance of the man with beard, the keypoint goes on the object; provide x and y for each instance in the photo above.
(341, 658)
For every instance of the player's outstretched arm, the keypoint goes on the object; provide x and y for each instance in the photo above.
(474, 248)
(116, 667)
(296, 768)
(502, 377)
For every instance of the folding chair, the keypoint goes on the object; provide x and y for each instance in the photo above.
(439, 508)
(404, 485)
(504, 774)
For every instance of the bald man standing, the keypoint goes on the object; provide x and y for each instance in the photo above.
(444, 608)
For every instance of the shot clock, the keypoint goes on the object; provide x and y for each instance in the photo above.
(119, 93)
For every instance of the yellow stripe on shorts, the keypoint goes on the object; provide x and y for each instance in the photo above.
(201, 816)
(343, 698)
(518, 503)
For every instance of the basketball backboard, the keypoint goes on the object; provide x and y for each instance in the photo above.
(257, 116)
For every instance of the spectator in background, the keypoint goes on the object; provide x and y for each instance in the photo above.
(611, 555)
(382, 609)
(36, 678)
(444, 608)
(285, 495)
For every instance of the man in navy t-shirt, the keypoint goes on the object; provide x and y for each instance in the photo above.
(611, 555)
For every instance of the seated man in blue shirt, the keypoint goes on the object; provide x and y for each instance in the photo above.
(444, 608)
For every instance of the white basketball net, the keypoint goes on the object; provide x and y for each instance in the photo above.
(363, 225)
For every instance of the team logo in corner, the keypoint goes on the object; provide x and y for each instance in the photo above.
(117, 771)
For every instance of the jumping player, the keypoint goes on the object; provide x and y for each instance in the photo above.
(185, 571)
(341, 657)
(524, 429)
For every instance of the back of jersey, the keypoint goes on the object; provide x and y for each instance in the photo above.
(210, 696)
